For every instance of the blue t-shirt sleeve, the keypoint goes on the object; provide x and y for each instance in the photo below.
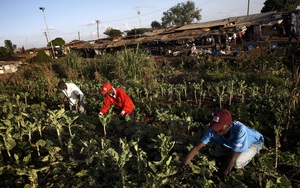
(207, 138)
(240, 141)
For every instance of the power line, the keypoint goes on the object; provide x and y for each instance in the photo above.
(132, 20)
(153, 12)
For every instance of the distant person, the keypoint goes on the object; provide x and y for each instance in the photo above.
(243, 142)
(213, 44)
(202, 41)
(240, 34)
(217, 42)
(293, 33)
(281, 31)
(118, 98)
(72, 94)
(194, 49)
(229, 43)
(234, 36)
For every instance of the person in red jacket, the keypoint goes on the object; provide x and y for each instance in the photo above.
(118, 98)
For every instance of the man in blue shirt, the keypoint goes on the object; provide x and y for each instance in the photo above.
(244, 142)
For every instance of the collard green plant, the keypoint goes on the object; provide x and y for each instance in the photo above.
(162, 168)
(220, 90)
(242, 89)
(231, 89)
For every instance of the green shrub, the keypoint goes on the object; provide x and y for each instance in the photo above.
(41, 57)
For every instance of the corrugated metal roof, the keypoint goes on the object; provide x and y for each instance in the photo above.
(152, 38)
(204, 25)
(259, 17)
(154, 32)
(186, 32)
(239, 20)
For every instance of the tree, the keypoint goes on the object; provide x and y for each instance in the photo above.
(57, 42)
(280, 5)
(138, 31)
(3, 51)
(182, 13)
(155, 24)
(22, 50)
(112, 32)
(10, 47)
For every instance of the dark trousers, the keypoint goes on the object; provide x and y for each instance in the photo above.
(131, 115)
(292, 36)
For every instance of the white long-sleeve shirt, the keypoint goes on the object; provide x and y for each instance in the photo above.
(72, 92)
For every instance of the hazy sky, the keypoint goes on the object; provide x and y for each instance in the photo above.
(22, 22)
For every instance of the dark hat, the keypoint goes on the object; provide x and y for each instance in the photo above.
(105, 88)
(221, 118)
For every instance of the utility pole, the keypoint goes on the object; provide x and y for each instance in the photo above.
(97, 22)
(46, 37)
(139, 18)
(43, 9)
(78, 35)
(248, 7)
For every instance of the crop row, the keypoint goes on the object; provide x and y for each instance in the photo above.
(46, 147)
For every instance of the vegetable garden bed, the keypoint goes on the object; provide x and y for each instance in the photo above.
(42, 145)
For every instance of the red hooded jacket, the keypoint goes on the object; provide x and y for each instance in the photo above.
(120, 99)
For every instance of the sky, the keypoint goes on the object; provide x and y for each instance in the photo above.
(22, 21)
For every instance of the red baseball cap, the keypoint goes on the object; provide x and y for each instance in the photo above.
(105, 88)
(221, 118)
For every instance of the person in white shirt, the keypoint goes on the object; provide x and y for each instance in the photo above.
(234, 36)
(72, 94)
(194, 49)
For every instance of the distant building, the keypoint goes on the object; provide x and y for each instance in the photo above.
(248, 28)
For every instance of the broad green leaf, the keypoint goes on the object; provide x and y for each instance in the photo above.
(283, 181)
(28, 186)
(82, 173)
(7, 122)
(46, 158)
(16, 157)
(41, 142)
(10, 116)
(27, 158)
(10, 143)
(270, 184)
(54, 150)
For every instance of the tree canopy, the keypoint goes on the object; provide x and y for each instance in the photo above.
(8, 49)
(280, 5)
(155, 24)
(57, 42)
(181, 14)
(3, 51)
(112, 32)
(138, 31)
